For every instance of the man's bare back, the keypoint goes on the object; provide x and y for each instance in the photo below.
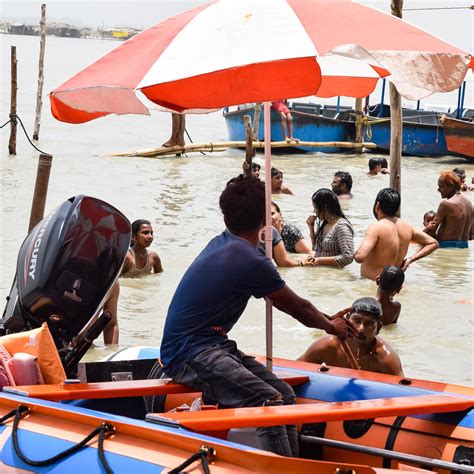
(386, 241)
(455, 218)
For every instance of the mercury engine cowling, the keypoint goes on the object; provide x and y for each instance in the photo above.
(66, 268)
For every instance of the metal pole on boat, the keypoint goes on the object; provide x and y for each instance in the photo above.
(418, 102)
(462, 96)
(382, 98)
(458, 108)
(396, 125)
(338, 104)
(39, 95)
(268, 228)
(385, 453)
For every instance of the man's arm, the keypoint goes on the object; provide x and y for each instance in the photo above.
(440, 216)
(392, 364)
(368, 244)
(428, 244)
(289, 302)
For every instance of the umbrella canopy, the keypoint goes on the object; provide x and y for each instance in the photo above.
(229, 52)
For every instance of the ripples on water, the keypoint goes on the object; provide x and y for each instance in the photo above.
(180, 197)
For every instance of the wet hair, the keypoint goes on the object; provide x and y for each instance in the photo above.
(383, 162)
(461, 172)
(345, 177)
(255, 166)
(276, 206)
(276, 171)
(391, 278)
(389, 201)
(325, 200)
(451, 178)
(373, 163)
(368, 306)
(137, 224)
(243, 204)
(428, 214)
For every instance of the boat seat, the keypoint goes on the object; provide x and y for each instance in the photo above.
(126, 388)
(228, 418)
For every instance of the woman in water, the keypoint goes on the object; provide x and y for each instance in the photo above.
(292, 236)
(333, 240)
(140, 262)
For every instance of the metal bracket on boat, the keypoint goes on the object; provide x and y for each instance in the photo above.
(161, 420)
(121, 376)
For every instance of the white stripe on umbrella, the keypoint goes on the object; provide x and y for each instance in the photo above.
(226, 24)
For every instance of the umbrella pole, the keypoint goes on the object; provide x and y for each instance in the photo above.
(268, 229)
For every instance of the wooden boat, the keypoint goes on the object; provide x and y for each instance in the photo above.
(422, 134)
(311, 123)
(459, 136)
(349, 420)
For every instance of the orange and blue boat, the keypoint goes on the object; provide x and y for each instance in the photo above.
(349, 421)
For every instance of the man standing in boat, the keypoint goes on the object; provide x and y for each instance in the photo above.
(386, 241)
(371, 352)
(209, 300)
(453, 224)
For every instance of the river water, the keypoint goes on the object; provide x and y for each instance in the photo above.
(180, 197)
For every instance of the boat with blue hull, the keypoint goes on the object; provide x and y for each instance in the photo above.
(311, 123)
(423, 135)
(349, 420)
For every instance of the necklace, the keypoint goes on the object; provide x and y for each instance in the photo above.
(370, 352)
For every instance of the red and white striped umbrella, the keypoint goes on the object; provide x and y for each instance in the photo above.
(236, 51)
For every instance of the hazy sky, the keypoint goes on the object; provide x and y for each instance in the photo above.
(440, 17)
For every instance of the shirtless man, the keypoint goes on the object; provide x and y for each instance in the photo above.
(371, 352)
(342, 184)
(277, 183)
(453, 224)
(389, 283)
(386, 241)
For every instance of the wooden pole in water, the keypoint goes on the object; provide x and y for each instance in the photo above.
(39, 95)
(248, 145)
(41, 190)
(256, 120)
(14, 88)
(396, 125)
(358, 123)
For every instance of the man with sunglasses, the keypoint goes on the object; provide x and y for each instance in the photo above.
(371, 351)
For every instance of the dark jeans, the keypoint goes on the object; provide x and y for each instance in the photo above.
(227, 376)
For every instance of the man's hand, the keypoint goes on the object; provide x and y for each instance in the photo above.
(342, 328)
(405, 264)
(341, 313)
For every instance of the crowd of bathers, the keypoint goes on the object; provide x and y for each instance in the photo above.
(382, 254)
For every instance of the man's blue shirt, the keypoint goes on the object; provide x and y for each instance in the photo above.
(212, 295)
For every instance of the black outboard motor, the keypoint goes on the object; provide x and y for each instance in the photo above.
(66, 268)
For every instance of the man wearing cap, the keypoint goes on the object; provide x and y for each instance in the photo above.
(371, 351)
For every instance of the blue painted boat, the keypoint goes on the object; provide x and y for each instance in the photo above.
(423, 135)
(311, 122)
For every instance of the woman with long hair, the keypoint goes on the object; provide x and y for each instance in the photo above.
(333, 239)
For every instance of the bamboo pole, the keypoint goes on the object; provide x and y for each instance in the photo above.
(248, 145)
(222, 146)
(358, 124)
(41, 190)
(39, 95)
(256, 120)
(396, 124)
(14, 89)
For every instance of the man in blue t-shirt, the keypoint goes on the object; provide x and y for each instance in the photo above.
(210, 299)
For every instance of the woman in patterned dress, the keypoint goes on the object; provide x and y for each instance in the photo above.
(292, 236)
(333, 239)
